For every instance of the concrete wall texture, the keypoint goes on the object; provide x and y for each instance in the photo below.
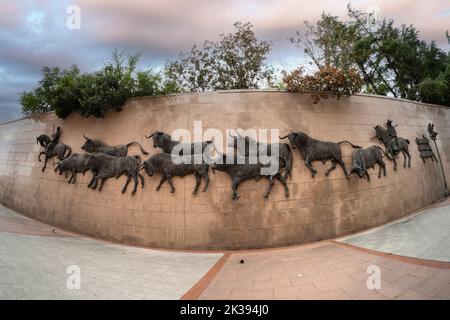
(318, 208)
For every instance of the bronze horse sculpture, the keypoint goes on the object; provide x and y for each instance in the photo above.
(393, 146)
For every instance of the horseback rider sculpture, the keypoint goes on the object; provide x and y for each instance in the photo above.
(393, 140)
(55, 138)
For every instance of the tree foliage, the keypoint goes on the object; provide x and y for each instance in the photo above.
(391, 59)
(326, 81)
(93, 94)
(236, 61)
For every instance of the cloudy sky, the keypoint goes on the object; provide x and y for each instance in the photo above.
(34, 33)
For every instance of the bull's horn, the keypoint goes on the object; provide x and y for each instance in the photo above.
(85, 137)
(150, 136)
(283, 137)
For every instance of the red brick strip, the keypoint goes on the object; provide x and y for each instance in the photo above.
(201, 285)
(422, 262)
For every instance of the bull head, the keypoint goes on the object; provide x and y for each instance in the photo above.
(292, 137)
(88, 146)
(158, 139)
(357, 170)
(148, 168)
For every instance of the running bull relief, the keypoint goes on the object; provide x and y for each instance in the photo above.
(104, 161)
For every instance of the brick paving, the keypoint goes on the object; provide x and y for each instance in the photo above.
(324, 270)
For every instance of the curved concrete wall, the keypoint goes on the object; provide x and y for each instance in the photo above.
(318, 208)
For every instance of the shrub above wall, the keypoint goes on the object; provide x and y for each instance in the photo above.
(93, 94)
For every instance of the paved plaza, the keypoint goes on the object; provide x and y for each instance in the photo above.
(35, 257)
(425, 235)
(34, 262)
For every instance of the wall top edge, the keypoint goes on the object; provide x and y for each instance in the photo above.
(241, 91)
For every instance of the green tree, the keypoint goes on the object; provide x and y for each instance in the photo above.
(237, 61)
(391, 59)
(67, 91)
(434, 91)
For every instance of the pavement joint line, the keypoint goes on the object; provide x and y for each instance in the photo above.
(195, 292)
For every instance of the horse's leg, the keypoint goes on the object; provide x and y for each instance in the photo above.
(45, 162)
(395, 162)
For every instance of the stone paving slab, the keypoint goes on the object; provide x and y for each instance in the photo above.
(34, 262)
(425, 235)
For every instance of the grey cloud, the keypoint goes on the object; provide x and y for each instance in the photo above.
(160, 29)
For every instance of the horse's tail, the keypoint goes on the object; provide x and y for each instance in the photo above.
(353, 145)
(142, 149)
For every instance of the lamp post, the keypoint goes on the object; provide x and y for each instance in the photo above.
(433, 135)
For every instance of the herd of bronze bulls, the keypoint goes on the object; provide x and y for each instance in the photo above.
(106, 161)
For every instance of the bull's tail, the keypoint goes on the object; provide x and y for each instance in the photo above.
(142, 149)
(353, 145)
